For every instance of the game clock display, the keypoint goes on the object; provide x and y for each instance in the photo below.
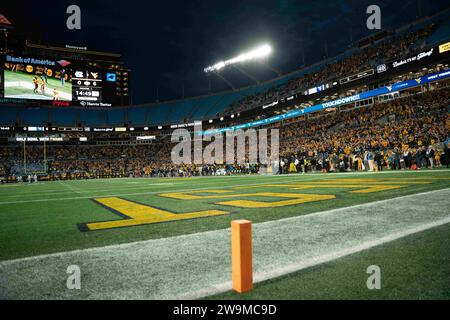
(60, 81)
(87, 85)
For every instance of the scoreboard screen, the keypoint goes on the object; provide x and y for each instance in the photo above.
(87, 85)
(60, 82)
(33, 78)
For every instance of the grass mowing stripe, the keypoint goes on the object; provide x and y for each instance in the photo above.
(283, 267)
(311, 262)
(412, 267)
(157, 269)
(206, 187)
(267, 223)
(41, 193)
(38, 228)
(210, 182)
(26, 187)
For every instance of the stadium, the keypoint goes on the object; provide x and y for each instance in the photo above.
(340, 167)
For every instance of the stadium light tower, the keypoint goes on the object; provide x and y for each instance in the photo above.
(255, 54)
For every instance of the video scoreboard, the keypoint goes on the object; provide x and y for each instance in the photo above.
(87, 86)
(61, 81)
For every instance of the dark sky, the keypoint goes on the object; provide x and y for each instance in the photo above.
(168, 43)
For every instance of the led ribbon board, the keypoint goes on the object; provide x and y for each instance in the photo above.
(334, 103)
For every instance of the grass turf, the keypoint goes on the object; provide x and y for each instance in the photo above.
(414, 267)
(44, 218)
(28, 78)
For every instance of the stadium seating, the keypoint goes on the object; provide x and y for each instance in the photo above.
(8, 115)
(93, 117)
(215, 105)
(64, 117)
(399, 134)
(37, 116)
(115, 117)
(158, 114)
(440, 35)
(137, 116)
(203, 106)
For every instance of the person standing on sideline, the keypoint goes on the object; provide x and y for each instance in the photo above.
(447, 151)
(430, 156)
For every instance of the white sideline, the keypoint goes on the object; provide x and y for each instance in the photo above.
(195, 265)
(262, 276)
(181, 237)
(282, 178)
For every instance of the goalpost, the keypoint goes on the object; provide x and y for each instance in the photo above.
(33, 167)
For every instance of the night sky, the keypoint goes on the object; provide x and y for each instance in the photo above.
(168, 43)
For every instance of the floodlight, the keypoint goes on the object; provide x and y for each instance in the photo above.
(258, 53)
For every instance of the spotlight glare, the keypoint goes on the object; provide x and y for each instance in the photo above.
(258, 53)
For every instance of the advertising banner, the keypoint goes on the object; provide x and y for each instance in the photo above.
(338, 102)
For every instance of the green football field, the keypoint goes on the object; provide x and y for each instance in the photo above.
(314, 236)
(20, 85)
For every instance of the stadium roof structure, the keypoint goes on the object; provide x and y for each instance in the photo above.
(72, 49)
(207, 107)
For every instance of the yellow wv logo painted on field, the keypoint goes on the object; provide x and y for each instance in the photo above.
(136, 214)
(295, 198)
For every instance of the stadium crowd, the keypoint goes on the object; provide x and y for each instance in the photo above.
(78, 162)
(407, 133)
(368, 57)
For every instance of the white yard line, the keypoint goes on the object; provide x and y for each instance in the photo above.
(206, 187)
(282, 221)
(144, 181)
(280, 178)
(84, 190)
(70, 187)
(195, 265)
